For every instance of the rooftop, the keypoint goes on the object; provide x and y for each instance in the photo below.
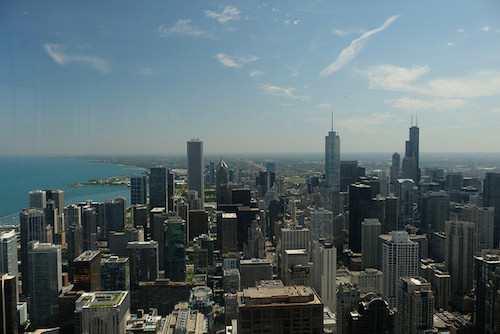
(278, 295)
(101, 299)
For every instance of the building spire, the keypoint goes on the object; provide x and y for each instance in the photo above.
(332, 120)
(411, 121)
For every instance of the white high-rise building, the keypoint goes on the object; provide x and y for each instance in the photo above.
(321, 225)
(294, 237)
(332, 160)
(399, 259)
(325, 272)
(38, 199)
(102, 312)
(8, 253)
(195, 168)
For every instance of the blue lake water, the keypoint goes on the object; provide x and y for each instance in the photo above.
(20, 175)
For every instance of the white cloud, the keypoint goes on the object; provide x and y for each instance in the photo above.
(411, 104)
(324, 106)
(147, 71)
(483, 83)
(348, 54)
(296, 22)
(256, 73)
(395, 78)
(391, 77)
(56, 52)
(284, 92)
(229, 13)
(183, 27)
(235, 61)
(449, 43)
(461, 30)
(485, 28)
(345, 32)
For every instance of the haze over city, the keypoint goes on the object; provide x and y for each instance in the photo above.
(130, 77)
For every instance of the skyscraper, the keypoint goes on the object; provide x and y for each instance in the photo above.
(144, 266)
(8, 253)
(8, 304)
(411, 167)
(360, 197)
(395, 167)
(175, 249)
(114, 213)
(115, 273)
(277, 309)
(487, 274)
(38, 199)
(158, 185)
(195, 168)
(45, 283)
(138, 191)
(87, 271)
(370, 230)
(321, 225)
(415, 306)
(32, 228)
(57, 196)
(332, 160)
(102, 312)
(222, 180)
(325, 272)
(459, 254)
(491, 198)
(399, 258)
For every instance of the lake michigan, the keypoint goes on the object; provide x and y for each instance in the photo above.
(20, 175)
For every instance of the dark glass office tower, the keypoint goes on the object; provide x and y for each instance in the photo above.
(195, 168)
(360, 197)
(411, 166)
(491, 198)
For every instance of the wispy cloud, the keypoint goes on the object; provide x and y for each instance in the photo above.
(345, 32)
(449, 44)
(60, 56)
(228, 13)
(324, 106)
(485, 28)
(183, 27)
(348, 54)
(283, 92)
(461, 30)
(256, 73)
(395, 78)
(391, 77)
(235, 61)
(147, 71)
(412, 104)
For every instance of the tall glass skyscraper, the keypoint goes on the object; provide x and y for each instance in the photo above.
(195, 168)
(332, 160)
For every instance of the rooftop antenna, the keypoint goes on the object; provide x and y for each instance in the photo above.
(332, 120)
(412, 120)
(416, 119)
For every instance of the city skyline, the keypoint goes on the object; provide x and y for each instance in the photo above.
(260, 73)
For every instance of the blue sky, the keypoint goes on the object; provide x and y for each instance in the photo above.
(247, 76)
